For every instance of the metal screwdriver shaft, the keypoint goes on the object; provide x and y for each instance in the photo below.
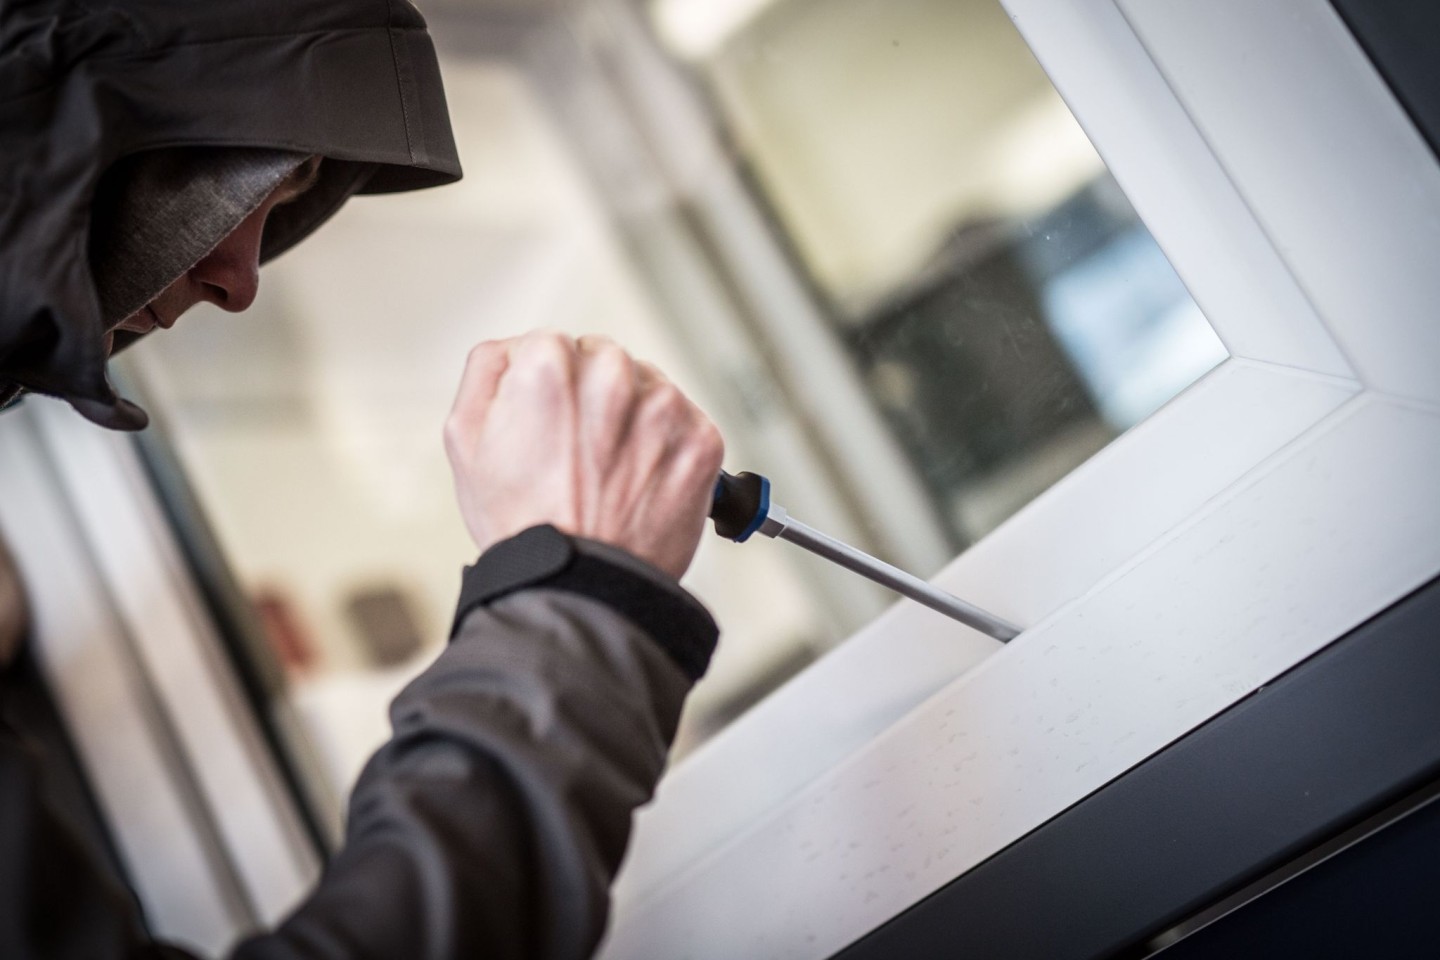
(898, 580)
(742, 507)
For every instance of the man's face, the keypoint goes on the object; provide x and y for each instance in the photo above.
(229, 275)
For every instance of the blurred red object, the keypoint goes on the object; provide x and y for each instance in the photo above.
(285, 630)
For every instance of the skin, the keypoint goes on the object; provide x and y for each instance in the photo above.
(229, 275)
(544, 428)
(579, 434)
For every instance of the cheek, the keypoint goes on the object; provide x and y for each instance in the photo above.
(176, 298)
(241, 247)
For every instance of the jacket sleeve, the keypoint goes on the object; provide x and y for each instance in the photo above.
(61, 892)
(493, 821)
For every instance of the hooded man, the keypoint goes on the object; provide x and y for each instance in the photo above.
(152, 155)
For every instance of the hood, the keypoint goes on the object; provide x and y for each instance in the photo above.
(84, 85)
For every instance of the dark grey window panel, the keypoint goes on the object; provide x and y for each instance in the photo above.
(1337, 738)
(1402, 39)
(1373, 899)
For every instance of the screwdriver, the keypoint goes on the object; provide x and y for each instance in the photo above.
(742, 507)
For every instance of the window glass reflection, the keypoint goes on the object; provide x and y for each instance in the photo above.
(1008, 310)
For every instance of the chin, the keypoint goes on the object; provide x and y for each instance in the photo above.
(140, 322)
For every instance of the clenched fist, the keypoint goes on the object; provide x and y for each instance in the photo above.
(581, 435)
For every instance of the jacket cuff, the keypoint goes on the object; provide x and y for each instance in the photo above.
(543, 557)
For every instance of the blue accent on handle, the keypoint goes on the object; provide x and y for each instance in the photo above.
(739, 504)
(760, 514)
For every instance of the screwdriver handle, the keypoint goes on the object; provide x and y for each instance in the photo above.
(740, 504)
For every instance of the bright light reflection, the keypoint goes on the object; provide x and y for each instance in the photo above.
(695, 29)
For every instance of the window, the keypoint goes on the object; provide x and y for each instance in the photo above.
(943, 304)
(1251, 520)
(1281, 499)
(1007, 311)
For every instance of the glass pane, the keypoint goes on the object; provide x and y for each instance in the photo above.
(1009, 312)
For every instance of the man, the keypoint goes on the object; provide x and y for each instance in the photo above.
(154, 154)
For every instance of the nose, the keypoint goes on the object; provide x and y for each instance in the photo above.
(229, 275)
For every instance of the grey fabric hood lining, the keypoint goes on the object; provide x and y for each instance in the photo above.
(286, 226)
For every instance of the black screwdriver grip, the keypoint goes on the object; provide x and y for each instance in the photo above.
(740, 504)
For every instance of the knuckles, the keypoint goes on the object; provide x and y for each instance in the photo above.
(701, 453)
(668, 404)
(483, 352)
(711, 444)
(612, 361)
(611, 370)
(544, 364)
(541, 354)
(545, 353)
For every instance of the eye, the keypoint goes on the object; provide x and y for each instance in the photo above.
(299, 181)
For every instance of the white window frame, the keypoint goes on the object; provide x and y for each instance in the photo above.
(1270, 508)
(204, 823)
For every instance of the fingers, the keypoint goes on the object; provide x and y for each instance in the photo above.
(607, 372)
(484, 367)
(590, 343)
(543, 365)
(608, 391)
(648, 375)
(581, 434)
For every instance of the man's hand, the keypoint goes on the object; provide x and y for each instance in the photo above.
(582, 436)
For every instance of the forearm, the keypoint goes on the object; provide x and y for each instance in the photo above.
(494, 820)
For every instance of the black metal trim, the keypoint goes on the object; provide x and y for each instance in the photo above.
(1402, 40)
(1373, 898)
(1338, 737)
(1370, 893)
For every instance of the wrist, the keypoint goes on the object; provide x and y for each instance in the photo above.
(544, 557)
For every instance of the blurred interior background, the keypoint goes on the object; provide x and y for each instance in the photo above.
(866, 235)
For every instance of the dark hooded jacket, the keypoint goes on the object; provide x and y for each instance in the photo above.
(84, 84)
(493, 821)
